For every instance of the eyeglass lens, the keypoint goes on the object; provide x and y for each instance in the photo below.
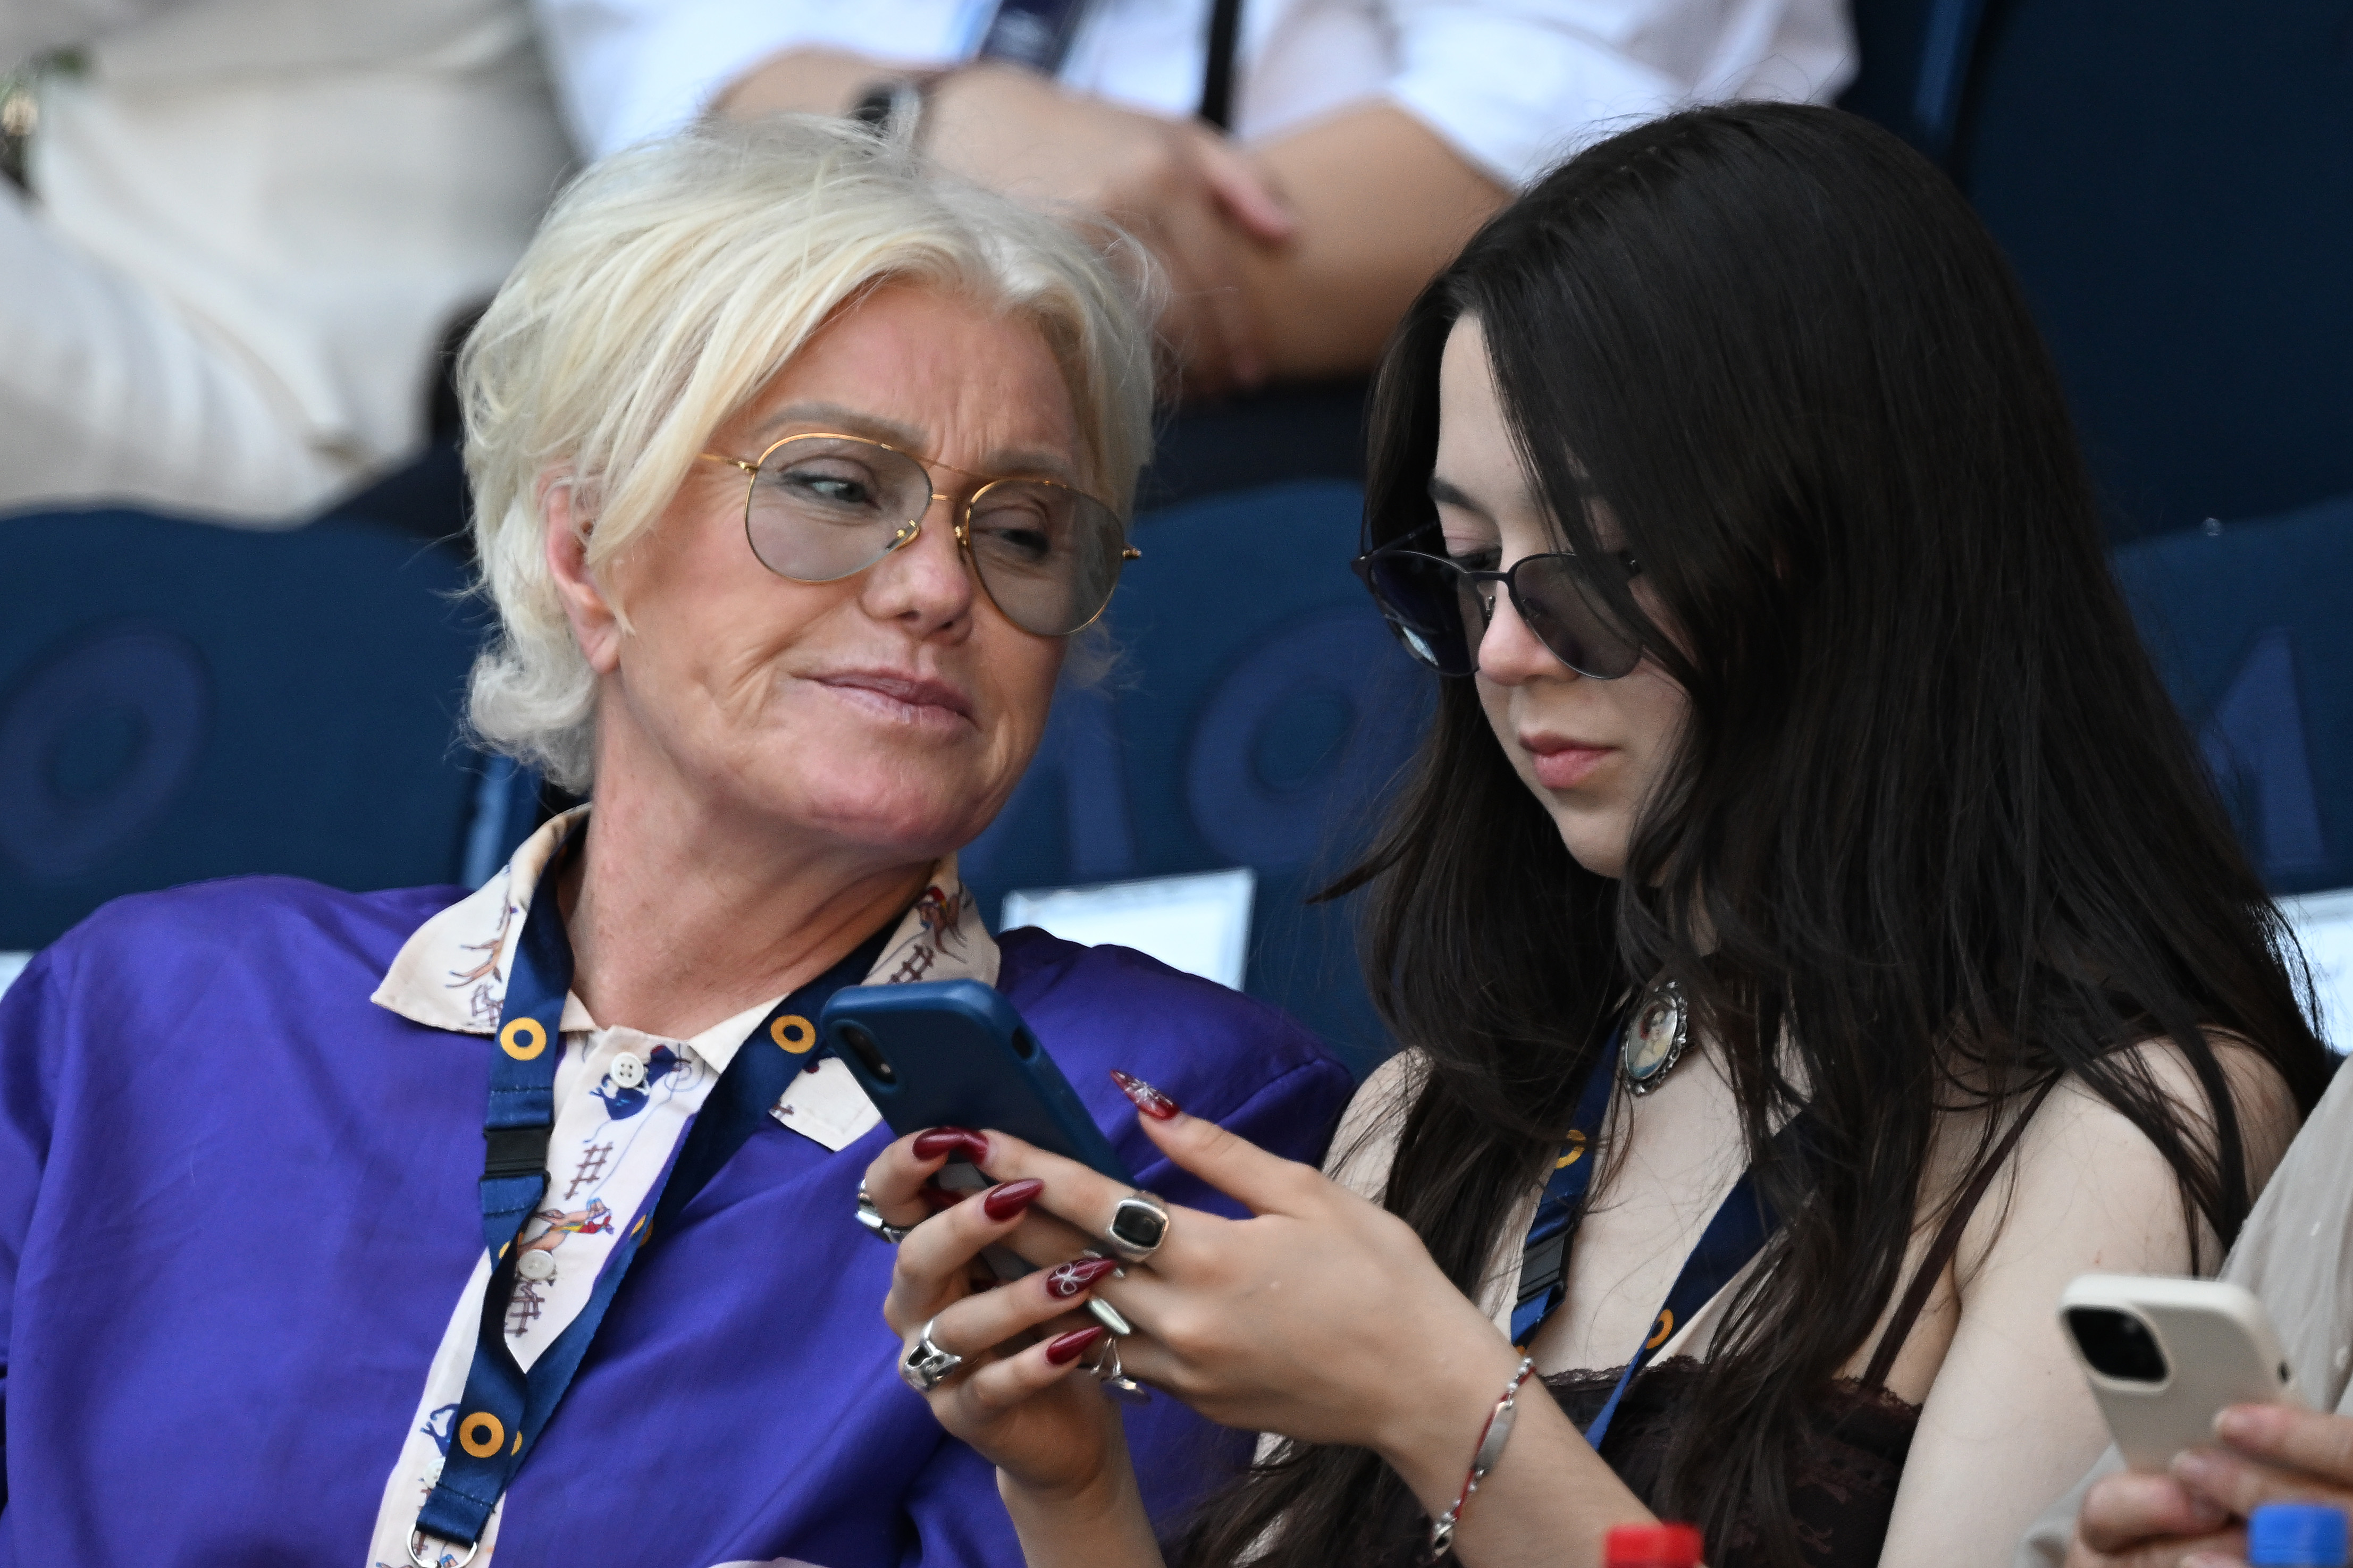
(1434, 606)
(825, 506)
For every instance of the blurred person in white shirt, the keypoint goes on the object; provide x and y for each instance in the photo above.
(252, 224)
(1367, 138)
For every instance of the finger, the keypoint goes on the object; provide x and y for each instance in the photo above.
(2121, 1509)
(1193, 345)
(895, 1178)
(1244, 192)
(1208, 247)
(1042, 1240)
(1083, 1197)
(989, 1391)
(2319, 1444)
(2220, 1549)
(2242, 1486)
(1223, 302)
(934, 1259)
(1260, 1181)
(984, 1323)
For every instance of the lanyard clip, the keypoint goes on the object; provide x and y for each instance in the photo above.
(512, 1151)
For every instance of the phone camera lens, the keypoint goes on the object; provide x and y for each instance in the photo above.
(2117, 1344)
(869, 1052)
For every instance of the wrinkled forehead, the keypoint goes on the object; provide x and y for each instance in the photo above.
(811, 416)
(951, 380)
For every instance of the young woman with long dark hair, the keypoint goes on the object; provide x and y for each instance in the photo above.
(1812, 935)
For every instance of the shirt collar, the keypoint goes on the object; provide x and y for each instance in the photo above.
(451, 974)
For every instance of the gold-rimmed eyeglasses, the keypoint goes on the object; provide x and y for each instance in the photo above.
(823, 507)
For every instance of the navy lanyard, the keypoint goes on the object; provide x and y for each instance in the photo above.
(1038, 34)
(505, 1408)
(1738, 1231)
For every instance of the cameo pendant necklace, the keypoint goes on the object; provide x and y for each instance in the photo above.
(1661, 1030)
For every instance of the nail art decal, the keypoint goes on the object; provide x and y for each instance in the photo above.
(1148, 1099)
(1069, 1347)
(1003, 1203)
(1068, 1279)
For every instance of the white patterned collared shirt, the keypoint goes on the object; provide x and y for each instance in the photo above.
(624, 1099)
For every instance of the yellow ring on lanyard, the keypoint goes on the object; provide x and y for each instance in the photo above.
(482, 1447)
(522, 1039)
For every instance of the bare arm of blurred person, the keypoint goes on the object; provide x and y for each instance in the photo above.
(1177, 186)
(1370, 138)
(1288, 262)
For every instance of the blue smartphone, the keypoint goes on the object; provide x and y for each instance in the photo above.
(954, 1053)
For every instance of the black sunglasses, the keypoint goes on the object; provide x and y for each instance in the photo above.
(1429, 601)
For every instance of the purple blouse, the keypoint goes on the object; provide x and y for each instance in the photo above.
(237, 1201)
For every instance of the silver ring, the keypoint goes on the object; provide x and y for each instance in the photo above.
(925, 1366)
(415, 1536)
(1114, 1377)
(871, 1219)
(1138, 1226)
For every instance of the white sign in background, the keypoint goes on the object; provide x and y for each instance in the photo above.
(2324, 928)
(1199, 924)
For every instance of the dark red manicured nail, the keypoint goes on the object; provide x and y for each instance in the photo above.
(1069, 1347)
(1004, 1202)
(1069, 1278)
(940, 1198)
(942, 1140)
(1148, 1099)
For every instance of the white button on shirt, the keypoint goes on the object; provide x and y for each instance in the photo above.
(1513, 85)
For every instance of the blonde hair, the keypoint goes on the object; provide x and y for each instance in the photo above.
(668, 285)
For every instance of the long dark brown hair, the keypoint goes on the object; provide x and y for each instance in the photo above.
(1947, 835)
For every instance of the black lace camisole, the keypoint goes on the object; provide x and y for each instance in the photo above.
(1854, 1438)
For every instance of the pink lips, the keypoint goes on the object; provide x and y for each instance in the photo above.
(1561, 763)
(898, 695)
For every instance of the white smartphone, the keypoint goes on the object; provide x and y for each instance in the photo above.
(2164, 1356)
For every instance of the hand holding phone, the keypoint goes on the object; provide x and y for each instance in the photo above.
(2164, 1356)
(954, 1053)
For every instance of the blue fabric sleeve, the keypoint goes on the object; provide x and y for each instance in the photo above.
(33, 1014)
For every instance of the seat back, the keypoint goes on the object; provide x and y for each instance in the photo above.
(2173, 180)
(1258, 717)
(2248, 626)
(181, 701)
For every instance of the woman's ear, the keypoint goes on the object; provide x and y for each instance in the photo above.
(594, 624)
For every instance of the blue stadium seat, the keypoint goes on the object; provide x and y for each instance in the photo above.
(181, 701)
(2248, 623)
(2172, 181)
(1258, 717)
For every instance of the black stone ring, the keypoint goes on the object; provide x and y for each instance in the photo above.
(1138, 1226)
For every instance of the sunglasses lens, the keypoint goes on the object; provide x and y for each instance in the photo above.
(1571, 620)
(824, 507)
(1048, 555)
(1425, 600)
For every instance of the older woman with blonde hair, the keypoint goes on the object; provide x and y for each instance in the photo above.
(408, 1226)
